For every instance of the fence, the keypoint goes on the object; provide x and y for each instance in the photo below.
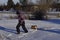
(7, 15)
(12, 15)
(52, 15)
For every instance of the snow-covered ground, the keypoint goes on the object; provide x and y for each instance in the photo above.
(46, 30)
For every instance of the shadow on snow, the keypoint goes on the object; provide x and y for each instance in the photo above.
(50, 30)
(8, 30)
(56, 21)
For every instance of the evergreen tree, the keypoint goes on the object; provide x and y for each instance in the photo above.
(10, 4)
(1, 8)
(17, 6)
(5, 7)
(23, 2)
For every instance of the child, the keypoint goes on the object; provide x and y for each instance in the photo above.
(21, 22)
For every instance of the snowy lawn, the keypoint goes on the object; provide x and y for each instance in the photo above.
(46, 30)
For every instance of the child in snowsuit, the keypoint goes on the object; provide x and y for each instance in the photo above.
(21, 22)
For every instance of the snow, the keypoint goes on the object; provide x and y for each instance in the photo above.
(46, 30)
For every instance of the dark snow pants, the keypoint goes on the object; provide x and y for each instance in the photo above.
(23, 26)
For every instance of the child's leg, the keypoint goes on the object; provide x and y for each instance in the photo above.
(24, 28)
(17, 28)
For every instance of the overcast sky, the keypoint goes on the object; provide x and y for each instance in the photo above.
(15, 1)
(5, 1)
